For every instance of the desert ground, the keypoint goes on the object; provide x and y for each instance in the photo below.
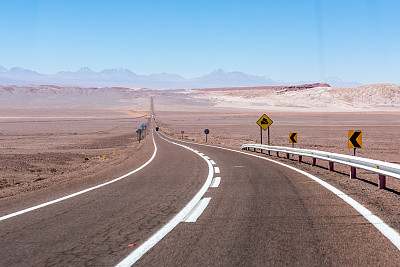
(44, 148)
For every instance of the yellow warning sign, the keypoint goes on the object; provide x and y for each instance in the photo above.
(355, 139)
(293, 138)
(264, 122)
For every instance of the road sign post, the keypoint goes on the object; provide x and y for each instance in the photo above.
(143, 127)
(264, 122)
(182, 132)
(206, 131)
(139, 133)
(269, 153)
(293, 138)
(355, 140)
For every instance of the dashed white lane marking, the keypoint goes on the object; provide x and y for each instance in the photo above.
(81, 192)
(154, 239)
(216, 170)
(215, 182)
(207, 157)
(201, 154)
(212, 162)
(197, 210)
(385, 229)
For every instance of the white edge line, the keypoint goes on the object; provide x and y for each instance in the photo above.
(154, 239)
(216, 182)
(82, 191)
(190, 212)
(379, 224)
(198, 210)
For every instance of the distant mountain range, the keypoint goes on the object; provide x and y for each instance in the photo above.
(126, 78)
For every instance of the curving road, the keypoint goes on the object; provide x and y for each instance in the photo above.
(260, 214)
(265, 214)
(97, 227)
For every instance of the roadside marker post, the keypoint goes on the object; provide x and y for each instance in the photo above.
(182, 132)
(269, 153)
(355, 141)
(264, 122)
(293, 140)
(139, 133)
(143, 127)
(206, 131)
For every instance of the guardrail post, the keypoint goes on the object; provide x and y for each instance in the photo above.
(314, 162)
(331, 165)
(382, 181)
(352, 172)
(300, 158)
(287, 155)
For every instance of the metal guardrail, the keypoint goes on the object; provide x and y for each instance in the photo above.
(381, 167)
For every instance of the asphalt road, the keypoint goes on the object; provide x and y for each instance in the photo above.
(99, 228)
(261, 214)
(264, 214)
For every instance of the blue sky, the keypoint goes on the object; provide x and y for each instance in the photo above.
(356, 40)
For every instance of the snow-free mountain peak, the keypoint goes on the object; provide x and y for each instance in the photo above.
(22, 71)
(85, 70)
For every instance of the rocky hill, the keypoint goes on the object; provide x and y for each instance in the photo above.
(308, 97)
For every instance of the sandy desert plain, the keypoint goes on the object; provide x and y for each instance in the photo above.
(53, 138)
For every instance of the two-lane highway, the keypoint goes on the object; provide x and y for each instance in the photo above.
(264, 214)
(101, 227)
(256, 213)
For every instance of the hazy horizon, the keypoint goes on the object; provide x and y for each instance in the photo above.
(288, 41)
(127, 78)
